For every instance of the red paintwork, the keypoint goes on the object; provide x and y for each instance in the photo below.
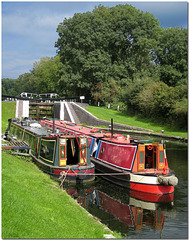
(89, 140)
(149, 197)
(124, 154)
(79, 130)
(154, 189)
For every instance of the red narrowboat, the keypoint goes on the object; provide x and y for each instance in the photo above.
(137, 165)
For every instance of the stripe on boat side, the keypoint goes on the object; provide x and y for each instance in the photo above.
(134, 157)
(143, 179)
(98, 149)
(92, 144)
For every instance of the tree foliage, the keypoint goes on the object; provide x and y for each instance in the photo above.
(117, 55)
(45, 74)
(108, 43)
(8, 86)
(172, 56)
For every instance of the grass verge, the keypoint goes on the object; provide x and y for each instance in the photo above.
(34, 207)
(119, 117)
(32, 204)
(7, 111)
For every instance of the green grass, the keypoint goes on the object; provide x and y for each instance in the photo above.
(34, 207)
(7, 111)
(32, 204)
(119, 117)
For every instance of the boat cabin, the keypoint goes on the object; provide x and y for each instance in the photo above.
(150, 155)
(117, 150)
(58, 149)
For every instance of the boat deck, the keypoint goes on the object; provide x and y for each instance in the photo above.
(37, 129)
(14, 144)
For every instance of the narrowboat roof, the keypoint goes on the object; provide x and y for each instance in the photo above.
(37, 129)
(89, 131)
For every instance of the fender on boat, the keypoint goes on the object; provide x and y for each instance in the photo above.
(171, 180)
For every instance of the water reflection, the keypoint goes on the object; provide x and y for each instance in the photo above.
(137, 215)
(121, 210)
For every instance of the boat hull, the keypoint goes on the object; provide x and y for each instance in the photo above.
(70, 173)
(135, 182)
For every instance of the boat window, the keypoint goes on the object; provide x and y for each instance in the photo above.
(19, 133)
(47, 151)
(12, 130)
(33, 145)
(29, 139)
(15, 131)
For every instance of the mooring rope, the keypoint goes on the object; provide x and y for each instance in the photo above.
(103, 174)
(63, 175)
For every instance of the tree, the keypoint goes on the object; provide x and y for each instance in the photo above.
(24, 83)
(45, 75)
(172, 56)
(93, 44)
(8, 87)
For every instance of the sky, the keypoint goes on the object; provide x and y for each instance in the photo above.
(28, 29)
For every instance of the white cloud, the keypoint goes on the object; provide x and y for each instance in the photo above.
(15, 64)
(14, 25)
(29, 29)
(18, 63)
(47, 22)
(28, 25)
(26, 38)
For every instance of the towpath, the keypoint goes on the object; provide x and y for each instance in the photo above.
(79, 114)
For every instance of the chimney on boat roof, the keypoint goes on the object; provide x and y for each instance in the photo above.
(111, 127)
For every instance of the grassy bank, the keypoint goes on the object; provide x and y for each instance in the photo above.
(34, 207)
(7, 111)
(119, 117)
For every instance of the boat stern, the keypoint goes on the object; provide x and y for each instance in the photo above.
(150, 171)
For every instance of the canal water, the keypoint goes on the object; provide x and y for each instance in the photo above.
(134, 218)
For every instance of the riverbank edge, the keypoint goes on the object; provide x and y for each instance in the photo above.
(131, 129)
(107, 231)
(185, 140)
